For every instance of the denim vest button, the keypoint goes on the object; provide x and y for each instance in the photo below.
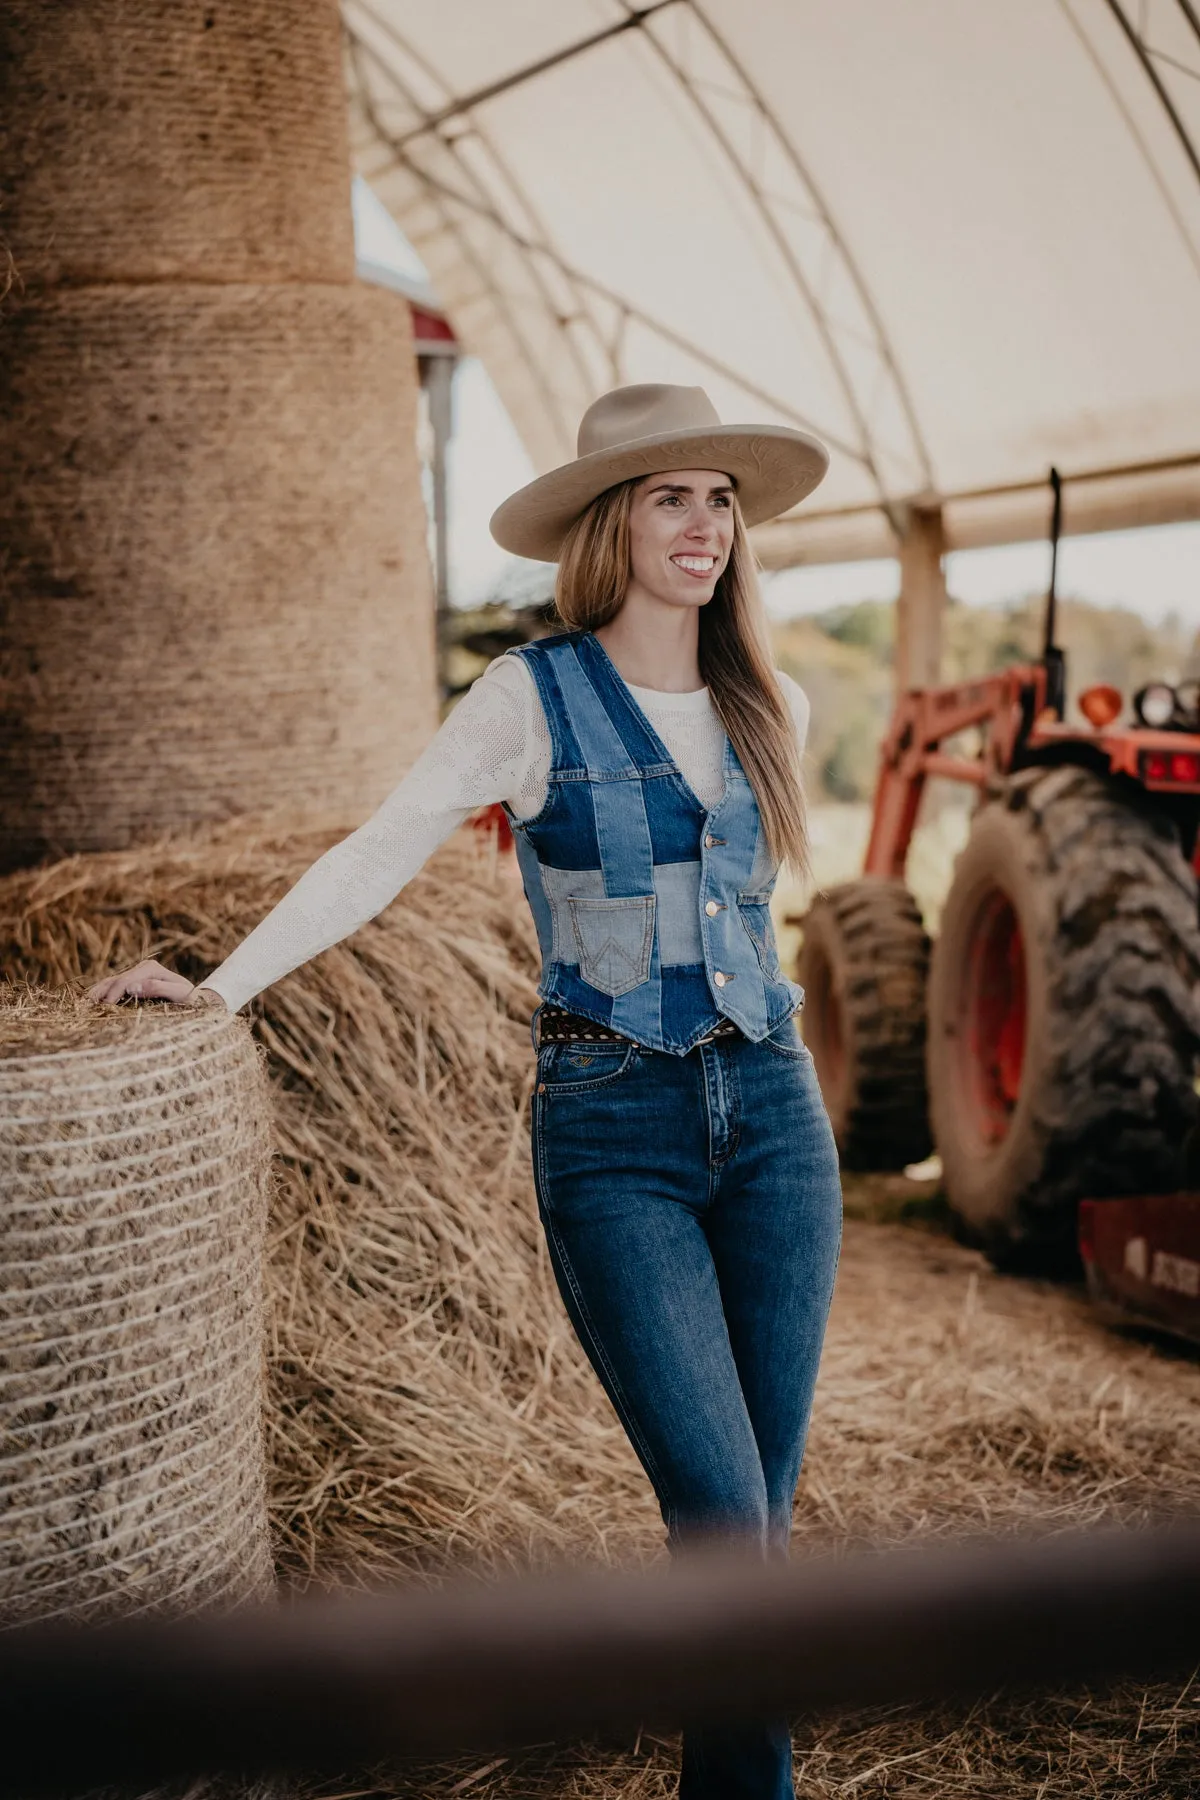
(721, 978)
(712, 909)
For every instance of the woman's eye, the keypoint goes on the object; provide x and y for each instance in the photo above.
(669, 500)
(721, 500)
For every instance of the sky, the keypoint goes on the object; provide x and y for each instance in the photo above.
(1154, 572)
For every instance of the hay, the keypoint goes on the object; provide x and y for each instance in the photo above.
(428, 1400)
(429, 1403)
(215, 593)
(134, 1159)
(149, 140)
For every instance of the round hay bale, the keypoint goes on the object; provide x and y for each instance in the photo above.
(134, 1161)
(215, 595)
(151, 139)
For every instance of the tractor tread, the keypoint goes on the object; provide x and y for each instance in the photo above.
(870, 936)
(1115, 1096)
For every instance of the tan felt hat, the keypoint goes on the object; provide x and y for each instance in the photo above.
(645, 430)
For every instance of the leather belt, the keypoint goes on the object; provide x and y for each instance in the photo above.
(558, 1026)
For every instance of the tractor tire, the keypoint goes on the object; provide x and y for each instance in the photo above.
(1064, 1013)
(863, 968)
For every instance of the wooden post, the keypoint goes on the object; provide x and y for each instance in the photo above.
(922, 601)
(437, 378)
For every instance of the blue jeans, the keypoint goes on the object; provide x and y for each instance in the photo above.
(692, 1208)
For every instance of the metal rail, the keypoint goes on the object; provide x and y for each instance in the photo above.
(813, 256)
(813, 251)
(330, 1686)
(457, 109)
(1155, 62)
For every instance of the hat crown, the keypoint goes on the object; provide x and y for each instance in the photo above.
(651, 409)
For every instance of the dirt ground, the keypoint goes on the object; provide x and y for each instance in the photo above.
(953, 1400)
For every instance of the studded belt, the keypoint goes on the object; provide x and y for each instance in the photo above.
(558, 1026)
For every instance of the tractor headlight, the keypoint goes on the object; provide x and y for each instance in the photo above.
(1187, 700)
(1155, 705)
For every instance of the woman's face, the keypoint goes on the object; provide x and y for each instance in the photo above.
(681, 534)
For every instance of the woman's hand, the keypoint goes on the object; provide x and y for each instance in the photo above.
(151, 981)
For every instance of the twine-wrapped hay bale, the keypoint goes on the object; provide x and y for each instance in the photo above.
(134, 1164)
(215, 594)
(143, 140)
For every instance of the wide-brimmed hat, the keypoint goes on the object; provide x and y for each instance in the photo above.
(645, 430)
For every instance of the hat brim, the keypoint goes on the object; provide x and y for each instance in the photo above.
(772, 466)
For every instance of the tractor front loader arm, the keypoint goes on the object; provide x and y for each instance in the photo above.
(1007, 703)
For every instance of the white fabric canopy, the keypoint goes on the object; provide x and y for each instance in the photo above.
(959, 240)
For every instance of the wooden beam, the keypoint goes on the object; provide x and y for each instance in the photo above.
(1131, 498)
(922, 601)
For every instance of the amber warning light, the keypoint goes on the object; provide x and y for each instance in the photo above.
(1100, 705)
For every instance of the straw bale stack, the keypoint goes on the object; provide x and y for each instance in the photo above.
(134, 1160)
(143, 140)
(215, 594)
(215, 590)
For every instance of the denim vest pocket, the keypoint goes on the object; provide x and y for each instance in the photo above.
(755, 913)
(615, 938)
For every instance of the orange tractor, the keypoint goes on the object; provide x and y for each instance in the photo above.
(1047, 1044)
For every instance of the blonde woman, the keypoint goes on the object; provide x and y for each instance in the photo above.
(648, 759)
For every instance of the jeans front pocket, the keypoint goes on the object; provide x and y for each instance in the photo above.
(786, 1041)
(615, 938)
(576, 1068)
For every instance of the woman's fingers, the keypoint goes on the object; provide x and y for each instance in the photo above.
(165, 987)
(147, 981)
(102, 990)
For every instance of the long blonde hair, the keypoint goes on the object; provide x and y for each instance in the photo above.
(735, 659)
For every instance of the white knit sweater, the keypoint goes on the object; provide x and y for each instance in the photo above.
(494, 746)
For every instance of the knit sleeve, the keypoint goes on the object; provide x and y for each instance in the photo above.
(798, 706)
(494, 746)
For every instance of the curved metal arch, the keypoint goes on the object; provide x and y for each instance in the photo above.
(829, 252)
(536, 247)
(1155, 61)
(533, 363)
(1187, 237)
(626, 311)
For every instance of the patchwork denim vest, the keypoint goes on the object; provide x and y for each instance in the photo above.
(652, 912)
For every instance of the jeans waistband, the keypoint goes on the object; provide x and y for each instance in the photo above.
(555, 1025)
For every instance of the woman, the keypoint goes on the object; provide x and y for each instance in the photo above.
(685, 1170)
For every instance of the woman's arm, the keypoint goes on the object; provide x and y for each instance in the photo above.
(494, 746)
(797, 704)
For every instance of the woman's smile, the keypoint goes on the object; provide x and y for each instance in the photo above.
(698, 566)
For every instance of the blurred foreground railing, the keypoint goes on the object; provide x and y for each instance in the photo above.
(326, 1686)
